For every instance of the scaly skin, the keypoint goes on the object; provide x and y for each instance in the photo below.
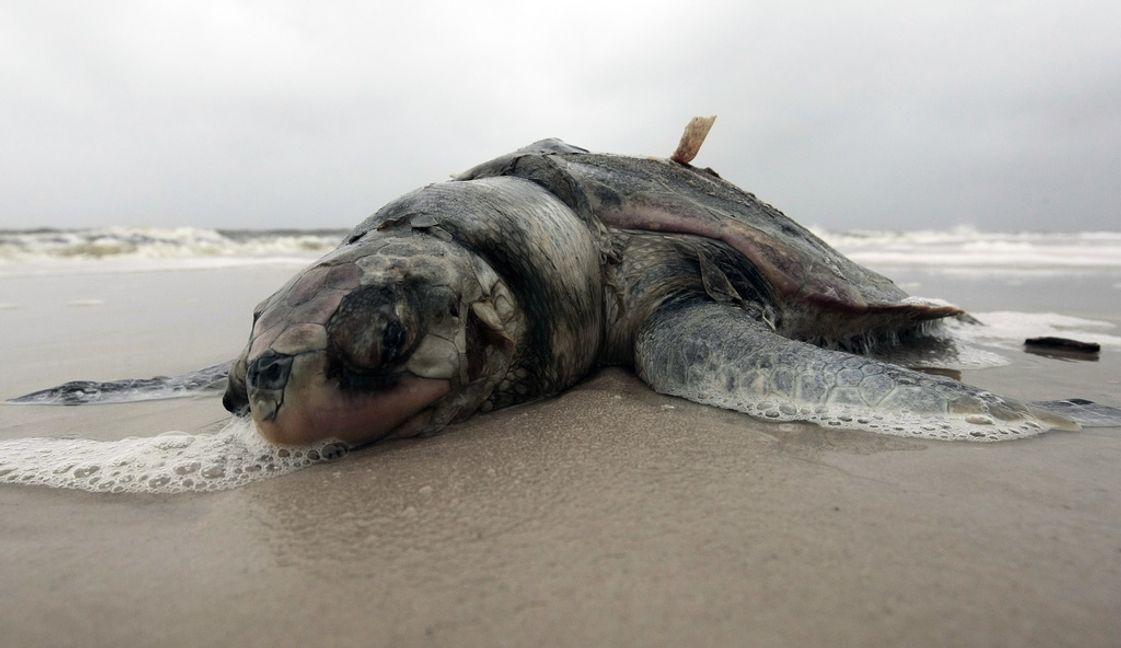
(514, 281)
(717, 355)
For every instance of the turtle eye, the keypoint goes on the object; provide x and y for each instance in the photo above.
(373, 328)
(393, 341)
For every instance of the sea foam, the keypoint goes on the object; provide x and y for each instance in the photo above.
(173, 462)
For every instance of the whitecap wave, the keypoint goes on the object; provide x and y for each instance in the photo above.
(960, 249)
(161, 243)
(966, 249)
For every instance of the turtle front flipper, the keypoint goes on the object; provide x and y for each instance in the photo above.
(717, 355)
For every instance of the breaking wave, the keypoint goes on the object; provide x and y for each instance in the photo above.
(964, 248)
(161, 243)
(123, 249)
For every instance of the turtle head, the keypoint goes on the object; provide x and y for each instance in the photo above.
(381, 338)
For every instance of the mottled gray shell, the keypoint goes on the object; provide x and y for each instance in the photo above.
(656, 195)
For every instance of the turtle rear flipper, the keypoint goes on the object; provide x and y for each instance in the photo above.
(1088, 413)
(715, 354)
(128, 390)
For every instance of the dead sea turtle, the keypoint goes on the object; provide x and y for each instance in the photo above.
(517, 278)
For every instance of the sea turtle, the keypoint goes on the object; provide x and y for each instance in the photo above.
(517, 278)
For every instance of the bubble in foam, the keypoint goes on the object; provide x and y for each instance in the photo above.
(173, 462)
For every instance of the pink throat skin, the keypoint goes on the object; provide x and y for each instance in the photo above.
(327, 413)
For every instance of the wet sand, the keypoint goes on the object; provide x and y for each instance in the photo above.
(608, 516)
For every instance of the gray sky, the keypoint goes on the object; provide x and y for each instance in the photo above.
(1003, 115)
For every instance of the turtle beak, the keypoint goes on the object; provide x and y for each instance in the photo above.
(265, 379)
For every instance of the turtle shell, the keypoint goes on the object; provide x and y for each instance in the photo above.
(805, 274)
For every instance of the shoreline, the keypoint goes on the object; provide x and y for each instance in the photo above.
(608, 515)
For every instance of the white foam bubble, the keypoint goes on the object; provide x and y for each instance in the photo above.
(173, 462)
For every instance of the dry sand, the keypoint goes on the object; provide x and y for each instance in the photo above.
(608, 516)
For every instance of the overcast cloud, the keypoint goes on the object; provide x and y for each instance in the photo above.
(313, 114)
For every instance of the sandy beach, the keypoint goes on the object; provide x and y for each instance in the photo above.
(608, 516)
(545, 187)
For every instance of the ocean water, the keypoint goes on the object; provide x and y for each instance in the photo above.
(1019, 284)
(959, 250)
(965, 250)
(145, 249)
